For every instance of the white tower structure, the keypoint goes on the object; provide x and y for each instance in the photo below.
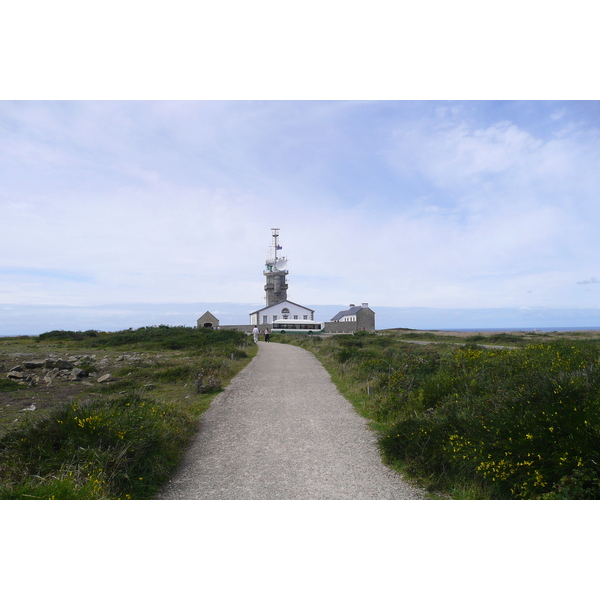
(275, 271)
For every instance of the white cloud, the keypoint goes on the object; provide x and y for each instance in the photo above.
(458, 157)
(404, 204)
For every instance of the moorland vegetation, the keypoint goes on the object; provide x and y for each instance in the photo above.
(497, 416)
(476, 422)
(119, 439)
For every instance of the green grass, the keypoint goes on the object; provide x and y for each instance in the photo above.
(123, 447)
(517, 338)
(8, 385)
(496, 338)
(124, 439)
(160, 337)
(471, 422)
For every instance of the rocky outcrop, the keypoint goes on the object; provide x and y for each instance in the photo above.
(58, 363)
(34, 364)
(75, 369)
(28, 372)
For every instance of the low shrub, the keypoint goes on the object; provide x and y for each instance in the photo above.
(418, 336)
(162, 336)
(61, 335)
(349, 341)
(476, 338)
(582, 484)
(517, 422)
(122, 447)
(178, 373)
(112, 387)
(520, 423)
(8, 385)
(504, 338)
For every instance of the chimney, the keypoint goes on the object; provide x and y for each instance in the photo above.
(365, 305)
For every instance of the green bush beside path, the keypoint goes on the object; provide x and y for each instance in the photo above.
(474, 422)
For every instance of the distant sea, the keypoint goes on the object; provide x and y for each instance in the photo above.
(543, 329)
(35, 319)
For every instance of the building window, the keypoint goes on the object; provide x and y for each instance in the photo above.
(264, 318)
(296, 317)
(274, 318)
(305, 317)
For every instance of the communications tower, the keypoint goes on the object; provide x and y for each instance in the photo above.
(275, 272)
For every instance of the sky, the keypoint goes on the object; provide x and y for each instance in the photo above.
(438, 162)
(429, 204)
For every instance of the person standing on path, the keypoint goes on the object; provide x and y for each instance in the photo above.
(266, 335)
(255, 333)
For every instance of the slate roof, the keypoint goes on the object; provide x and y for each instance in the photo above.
(346, 313)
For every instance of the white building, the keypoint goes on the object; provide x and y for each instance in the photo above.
(283, 310)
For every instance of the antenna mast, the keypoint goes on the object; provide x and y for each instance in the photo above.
(275, 244)
(275, 272)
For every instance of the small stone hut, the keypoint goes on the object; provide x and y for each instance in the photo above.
(207, 320)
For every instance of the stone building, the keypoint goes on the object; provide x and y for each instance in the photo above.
(355, 318)
(207, 320)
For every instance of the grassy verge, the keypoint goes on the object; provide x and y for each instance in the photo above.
(115, 440)
(471, 422)
(512, 338)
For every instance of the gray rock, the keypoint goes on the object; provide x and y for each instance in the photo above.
(77, 374)
(63, 364)
(105, 378)
(15, 375)
(50, 375)
(18, 368)
(34, 364)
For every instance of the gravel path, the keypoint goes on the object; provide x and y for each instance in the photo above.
(282, 431)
